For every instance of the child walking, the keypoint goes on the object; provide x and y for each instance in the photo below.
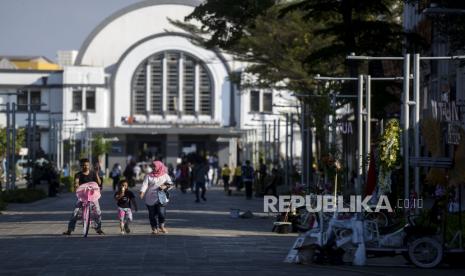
(125, 200)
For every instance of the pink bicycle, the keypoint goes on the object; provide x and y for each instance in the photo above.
(87, 193)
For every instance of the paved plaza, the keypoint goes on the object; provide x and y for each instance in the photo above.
(202, 240)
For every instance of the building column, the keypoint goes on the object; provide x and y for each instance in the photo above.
(148, 94)
(172, 148)
(181, 84)
(197, 89)
(164, 86)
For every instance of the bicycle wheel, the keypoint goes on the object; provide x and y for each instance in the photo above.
(86, 218)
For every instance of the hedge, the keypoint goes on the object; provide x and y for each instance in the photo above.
(22, 195)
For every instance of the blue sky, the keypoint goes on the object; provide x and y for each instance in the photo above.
(42, 27)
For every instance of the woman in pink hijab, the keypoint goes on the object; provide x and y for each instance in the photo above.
(155, 182)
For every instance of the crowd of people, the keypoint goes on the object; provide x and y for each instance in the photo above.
(196, 174)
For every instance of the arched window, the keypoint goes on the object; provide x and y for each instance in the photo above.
(172, 82)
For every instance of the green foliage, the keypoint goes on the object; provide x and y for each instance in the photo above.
(100, 146)
(389, 152)
(23, 195)
(227, 20)
(68, 183)
(20, 139)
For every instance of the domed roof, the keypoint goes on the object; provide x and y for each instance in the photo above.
(111, 38)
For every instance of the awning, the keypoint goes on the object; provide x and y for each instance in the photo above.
(223, 131)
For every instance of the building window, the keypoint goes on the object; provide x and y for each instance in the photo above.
(90, 100)
(138, 103)
(77, 100)
(172, 73)
(22, 100)
(267, 102)
(84, 96)
(189, 86)
(35, 100)
(172, 63)
(254, 101)
(28, 99)
(156, 85)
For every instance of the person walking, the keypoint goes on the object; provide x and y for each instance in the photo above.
(225, 175)
(129, 173)
(237, 180)
(275, 181)
(115, 175)
(262, 171)
(248, 178)
(199, 175)
(158, 180)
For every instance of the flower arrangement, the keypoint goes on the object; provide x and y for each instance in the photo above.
(389, 146)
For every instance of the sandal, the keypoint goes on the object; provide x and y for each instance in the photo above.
(154, 231)
(163, 230)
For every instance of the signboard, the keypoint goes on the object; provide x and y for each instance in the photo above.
(345, 127)
(448, 112)
(453, 134)
(23, 151)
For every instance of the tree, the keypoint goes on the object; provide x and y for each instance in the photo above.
(20, 140)
(100, 146)
(226, 20)
(274, 46)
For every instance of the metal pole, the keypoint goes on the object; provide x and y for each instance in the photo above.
(13, 147)
(368, 121)
(274, 140)
(291, 151)
(8, 148)
(29, 147)
(309, 152)
(286, 171)
(269, 151)
(265, 145)
(416, 129)
(303, 138)
(33, 140)
(359, 166)
(405, 130)
(60, 142)
(50, 138)
(278, 151)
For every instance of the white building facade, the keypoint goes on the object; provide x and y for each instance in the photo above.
(143, 84)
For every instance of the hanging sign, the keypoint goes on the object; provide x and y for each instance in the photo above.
(453, 134)
(345, 127)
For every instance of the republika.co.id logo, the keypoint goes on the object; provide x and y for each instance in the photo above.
(330, 203)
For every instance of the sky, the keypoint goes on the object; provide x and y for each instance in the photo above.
(42, 27)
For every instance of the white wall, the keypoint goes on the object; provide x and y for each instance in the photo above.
(135, 25)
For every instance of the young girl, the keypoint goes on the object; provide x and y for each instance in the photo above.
(125, 200)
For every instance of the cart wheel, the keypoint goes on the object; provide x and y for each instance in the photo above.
(425, 252)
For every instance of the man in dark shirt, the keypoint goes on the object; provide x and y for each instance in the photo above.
(85, 176)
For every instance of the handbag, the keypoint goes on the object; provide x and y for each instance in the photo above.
(163, 198)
